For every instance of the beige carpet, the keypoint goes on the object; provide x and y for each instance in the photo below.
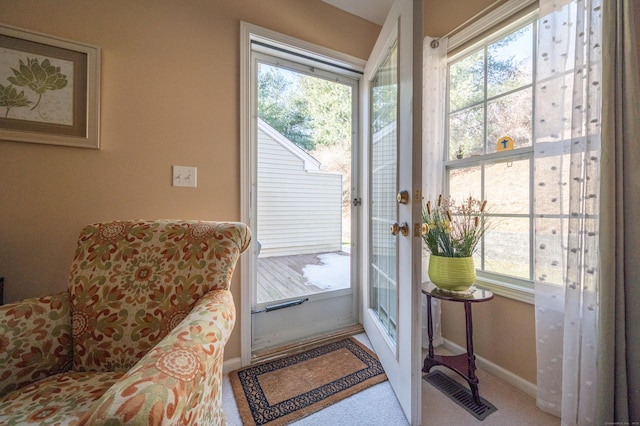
(284, 390)
(515, 408)
(378, 406)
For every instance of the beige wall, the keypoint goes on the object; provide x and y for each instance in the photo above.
(442, 16)
(170, 95)
(503, 333)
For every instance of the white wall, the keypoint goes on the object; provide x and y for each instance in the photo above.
(299, 206)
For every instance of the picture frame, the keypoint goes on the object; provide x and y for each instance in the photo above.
(49, 89)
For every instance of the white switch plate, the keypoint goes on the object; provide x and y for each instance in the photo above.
(185, 176)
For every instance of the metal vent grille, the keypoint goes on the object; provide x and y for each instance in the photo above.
(460, 395)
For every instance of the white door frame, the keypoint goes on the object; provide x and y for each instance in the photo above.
(405, 366)
(249, 33)
(401, 360)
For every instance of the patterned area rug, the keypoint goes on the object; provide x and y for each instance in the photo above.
(287, 389)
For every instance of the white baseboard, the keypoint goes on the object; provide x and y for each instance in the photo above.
(496, 371)
(231, 365)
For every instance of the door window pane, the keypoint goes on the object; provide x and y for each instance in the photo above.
(384, 152)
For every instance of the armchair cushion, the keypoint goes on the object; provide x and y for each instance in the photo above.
(187, 362)
(132, 282)
(139, 337)
(35, 340)
(61, 399)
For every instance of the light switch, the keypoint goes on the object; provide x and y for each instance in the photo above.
(185, 176)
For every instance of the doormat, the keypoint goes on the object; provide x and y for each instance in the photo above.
(281, 391)
(460, 395)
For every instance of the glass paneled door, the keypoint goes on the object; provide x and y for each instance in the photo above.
(304, 129)
(392, 295)
(383, 282)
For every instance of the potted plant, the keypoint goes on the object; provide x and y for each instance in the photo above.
(459, 152)
(453, 232)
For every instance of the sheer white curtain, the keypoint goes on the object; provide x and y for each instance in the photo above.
(566, 184)
(433, 122)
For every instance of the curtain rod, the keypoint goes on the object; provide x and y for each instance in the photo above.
(435, 43)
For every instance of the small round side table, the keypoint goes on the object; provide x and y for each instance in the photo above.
(463, 364)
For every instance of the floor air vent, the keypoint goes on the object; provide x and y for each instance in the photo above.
(460, 395)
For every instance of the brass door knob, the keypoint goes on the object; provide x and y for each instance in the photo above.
(403, 197)
(403, 229)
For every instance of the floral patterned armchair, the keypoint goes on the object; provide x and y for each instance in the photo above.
(137, 339)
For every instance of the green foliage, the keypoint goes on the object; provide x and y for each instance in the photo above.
(38, 77)
(329, 109)
(466, 81)
(10, 98)
(384, 92)
(453, 230)
(309, 111)
(385, 106)
(281, 108)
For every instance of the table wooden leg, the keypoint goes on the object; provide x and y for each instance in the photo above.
(472, 379)
(430, 326)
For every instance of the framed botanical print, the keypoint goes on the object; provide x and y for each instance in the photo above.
(49, 90)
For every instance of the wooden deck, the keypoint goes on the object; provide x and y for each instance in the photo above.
(281, 277)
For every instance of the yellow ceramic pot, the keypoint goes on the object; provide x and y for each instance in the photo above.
(452, 273)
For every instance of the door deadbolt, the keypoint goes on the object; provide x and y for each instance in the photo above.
(403, 229)
(420, 229)
(403, 197)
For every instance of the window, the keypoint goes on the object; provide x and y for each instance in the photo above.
(489, 149)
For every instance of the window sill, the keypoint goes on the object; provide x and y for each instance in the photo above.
(510, 291)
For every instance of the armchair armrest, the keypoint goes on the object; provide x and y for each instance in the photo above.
(180, 380)
(35, 340)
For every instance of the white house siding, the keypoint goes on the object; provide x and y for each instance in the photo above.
(299, 206)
